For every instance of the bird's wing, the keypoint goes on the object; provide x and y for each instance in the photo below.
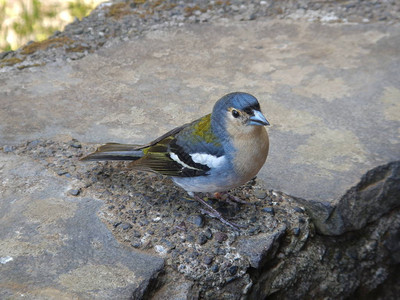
(172, 153)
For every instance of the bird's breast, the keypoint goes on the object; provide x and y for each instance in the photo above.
(251, 151)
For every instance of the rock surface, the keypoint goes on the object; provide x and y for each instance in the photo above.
(56, 245)
(327, 76)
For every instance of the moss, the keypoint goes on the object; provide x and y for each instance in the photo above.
(118, 10)
(49, 43)
(222, 2)
(189, 10)
(77, 48)
(6, 62)
(30, 66)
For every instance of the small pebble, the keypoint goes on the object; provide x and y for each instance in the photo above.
(269, 210)
(194, 254)
(33, 144)
(298, 209)
(220, 237)
(144, 222)
(136, 244)
(202, 239)
(126, 226)
(61, 172)
(233, 270)
(190, 238)
(254, 230)
(196, 220)
(116, 224)
(208, 260)
(260, 194)
(74, 192)
(219, 251)
(215, 268)
(78, 31)
(208, 233)
(76, 145)
(169, 244)
(296, 231)
(137, 234)
(8, 149)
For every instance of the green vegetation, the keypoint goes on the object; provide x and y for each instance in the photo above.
(79, 9)
(25, 20)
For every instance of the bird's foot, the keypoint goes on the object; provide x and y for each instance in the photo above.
(224, 196)
(213, 213)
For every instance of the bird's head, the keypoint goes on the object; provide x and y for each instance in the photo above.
(238, 110)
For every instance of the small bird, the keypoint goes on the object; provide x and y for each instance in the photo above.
(215, 153)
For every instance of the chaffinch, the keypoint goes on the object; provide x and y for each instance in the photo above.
(215, 153)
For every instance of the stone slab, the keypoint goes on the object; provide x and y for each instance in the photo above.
(330, 92)
(54, 246)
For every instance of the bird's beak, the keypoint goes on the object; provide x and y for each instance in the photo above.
(258, 119)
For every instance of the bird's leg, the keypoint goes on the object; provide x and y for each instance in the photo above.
(225, 196)
(212, 212)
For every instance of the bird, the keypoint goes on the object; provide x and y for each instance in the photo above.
(215, 153)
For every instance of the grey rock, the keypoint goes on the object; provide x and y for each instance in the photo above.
(76, 144)
(354, 265)
(269, 210)
(202, 239)
(260, 194)
(8, 149)
(208, 260)
(61, 172)
(260, 248)
(215, 268)
(296, 231)
(136, 234)
(220, 237)
(181, 290)
(208, 233)
(125, 226)
(68, 229)
(232, 270)
(74, 192)
(197, 220)
(319, 151)
(4, 54)
(377, 193)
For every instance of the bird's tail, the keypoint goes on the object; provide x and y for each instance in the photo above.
(114, 151)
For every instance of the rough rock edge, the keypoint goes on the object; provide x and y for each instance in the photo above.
(377, 193)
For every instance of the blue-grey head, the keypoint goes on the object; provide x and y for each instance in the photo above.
(239, 110)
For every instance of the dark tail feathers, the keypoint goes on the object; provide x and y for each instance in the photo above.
(114, 151)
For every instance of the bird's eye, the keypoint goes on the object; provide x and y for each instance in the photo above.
(235, 113)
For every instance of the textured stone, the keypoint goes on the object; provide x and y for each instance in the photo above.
(260, 248)
(320, 144)
(331, 94)
(376, 194)
(43, 231)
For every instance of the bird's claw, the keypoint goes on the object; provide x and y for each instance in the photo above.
(212, 212)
